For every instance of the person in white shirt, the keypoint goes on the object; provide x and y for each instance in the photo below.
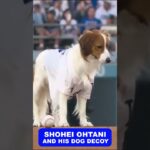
(68, 25)
(106, 9)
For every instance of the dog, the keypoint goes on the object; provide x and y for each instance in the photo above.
(60, 74)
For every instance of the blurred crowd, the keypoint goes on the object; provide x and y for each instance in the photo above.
(63, 21)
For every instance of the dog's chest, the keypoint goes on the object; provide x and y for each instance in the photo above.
(59, 70)
(55, 60)
(76, 87)
(62, 77)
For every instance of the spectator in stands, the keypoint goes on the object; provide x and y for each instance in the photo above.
(69, 25)
(95, 3)
(88, 3)
(57, 9)
(105, 11)
(38, 19)
(80, 11)
(45, 4)
(111, 20)
(38, 15)
(72, 5)
(90, 22)
(64, 5)
(52, 30)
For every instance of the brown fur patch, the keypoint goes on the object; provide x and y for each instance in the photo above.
(107, 36)
(92, 42)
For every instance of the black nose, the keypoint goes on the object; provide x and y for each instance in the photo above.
(108, 60)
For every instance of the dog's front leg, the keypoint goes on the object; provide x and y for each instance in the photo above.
(81, 111)
(62, 110)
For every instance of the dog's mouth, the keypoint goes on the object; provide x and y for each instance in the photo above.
(96, 57)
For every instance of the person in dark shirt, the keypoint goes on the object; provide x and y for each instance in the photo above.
(90, 22)
(80, 11)
(38, 21)
(52, 30)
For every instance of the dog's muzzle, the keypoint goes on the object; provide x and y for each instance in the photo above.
(108, 60)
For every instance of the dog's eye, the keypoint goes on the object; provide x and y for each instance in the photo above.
(99, 46)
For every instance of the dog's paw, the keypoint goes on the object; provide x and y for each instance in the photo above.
(36, 124)
(63, 124)
(86, 124)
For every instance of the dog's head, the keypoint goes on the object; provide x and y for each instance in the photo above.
(94, 46)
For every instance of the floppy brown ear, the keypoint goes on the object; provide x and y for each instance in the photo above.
(85, 31)
(108, 39)
(87, 41)
(106, 34)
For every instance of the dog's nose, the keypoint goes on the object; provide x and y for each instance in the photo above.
(108, 60)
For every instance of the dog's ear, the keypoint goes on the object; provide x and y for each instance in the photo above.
(87, 41)
(106, 34)
(85, 31)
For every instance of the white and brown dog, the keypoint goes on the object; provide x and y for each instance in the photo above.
(60, 74)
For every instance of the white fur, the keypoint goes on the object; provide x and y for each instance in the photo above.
(80, 68)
